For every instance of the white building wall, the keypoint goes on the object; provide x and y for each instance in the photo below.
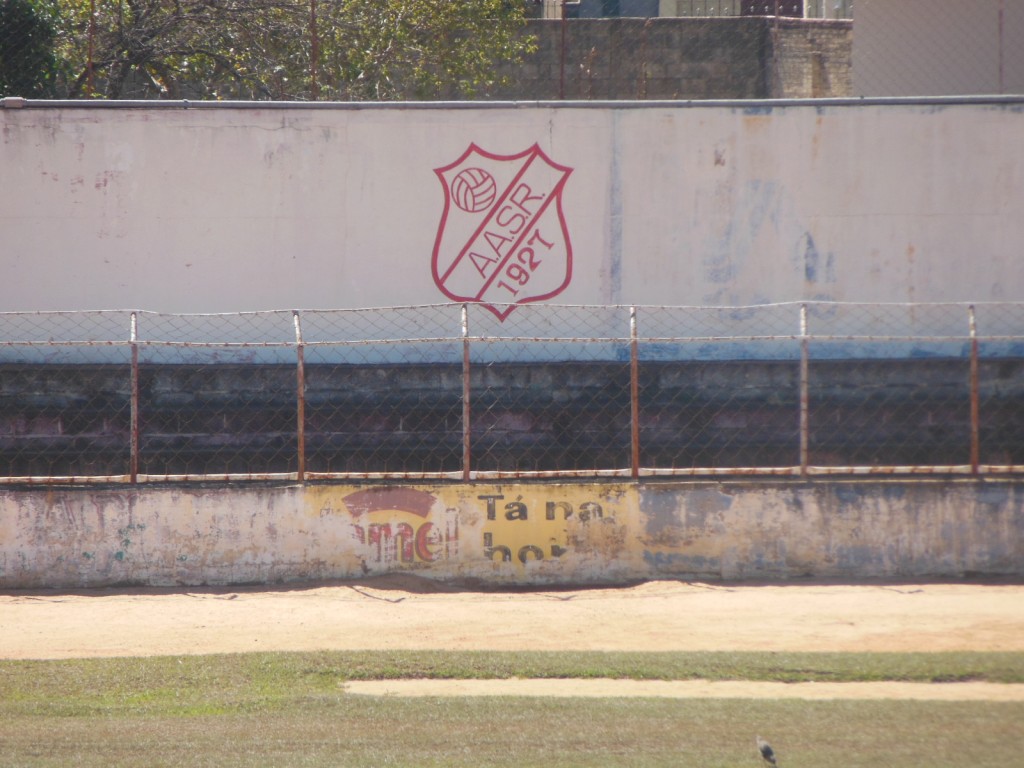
(929, 48)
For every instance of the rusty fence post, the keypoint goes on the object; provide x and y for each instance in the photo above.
(804, 390)
(300, 403)
(561, 55)
(975, 408)
(634, 395)
(314, 52)
(133, 459)
(90, 80)
(465, 394)
(1001, 47)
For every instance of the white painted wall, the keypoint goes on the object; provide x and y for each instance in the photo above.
(224, 209)
(930, 48)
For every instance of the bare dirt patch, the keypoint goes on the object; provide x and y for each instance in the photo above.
(691, 689)
(404, 612)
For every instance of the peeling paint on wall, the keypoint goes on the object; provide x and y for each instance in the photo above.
(516, 533)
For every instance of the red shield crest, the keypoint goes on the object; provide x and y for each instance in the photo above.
(502, 240)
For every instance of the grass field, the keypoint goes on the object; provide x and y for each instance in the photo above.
(288, 709)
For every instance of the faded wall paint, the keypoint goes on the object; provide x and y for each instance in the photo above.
(220, 209)
(518, 533)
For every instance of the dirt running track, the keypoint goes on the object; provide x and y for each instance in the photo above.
(403, 612)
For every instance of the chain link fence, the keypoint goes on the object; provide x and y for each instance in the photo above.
(451, 392)
(520, 50)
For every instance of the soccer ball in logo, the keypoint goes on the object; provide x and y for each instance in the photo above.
(473, 190)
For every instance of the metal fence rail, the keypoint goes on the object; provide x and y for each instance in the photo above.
(450, 391)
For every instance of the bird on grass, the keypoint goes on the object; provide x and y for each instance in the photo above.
(766, 751)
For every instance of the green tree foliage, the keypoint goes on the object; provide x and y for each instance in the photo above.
(285, 49)
(27, 62)
(418, 49)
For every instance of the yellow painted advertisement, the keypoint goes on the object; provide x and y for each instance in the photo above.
(481, 530)
(531, 524)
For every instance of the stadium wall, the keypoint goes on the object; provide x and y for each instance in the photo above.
(219, 208)
(511, 534)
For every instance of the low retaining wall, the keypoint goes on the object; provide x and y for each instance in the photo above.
(507, 534)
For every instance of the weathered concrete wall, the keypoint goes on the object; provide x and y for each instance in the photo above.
(225, 209)
(632, 58)
(515, 533)
(813, 59)
(674, 58)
